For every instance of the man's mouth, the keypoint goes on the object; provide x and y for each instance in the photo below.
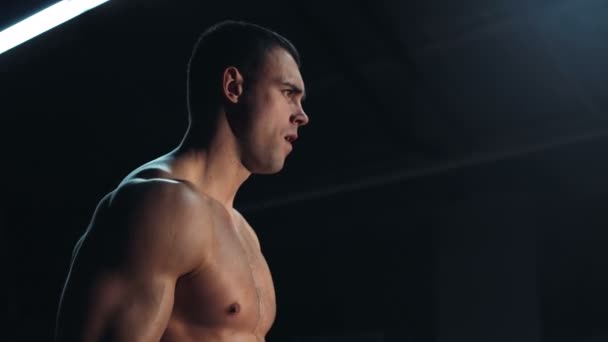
(291, 138)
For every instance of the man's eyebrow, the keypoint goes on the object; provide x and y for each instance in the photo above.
(295, 88)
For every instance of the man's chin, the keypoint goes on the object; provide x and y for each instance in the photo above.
(269, 169)
(265, 166)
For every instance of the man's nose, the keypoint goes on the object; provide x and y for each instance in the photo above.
(300, 118)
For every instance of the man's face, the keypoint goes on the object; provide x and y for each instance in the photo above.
(272, 112)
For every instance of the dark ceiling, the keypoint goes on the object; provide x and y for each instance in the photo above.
(478, 114)
(394, 86)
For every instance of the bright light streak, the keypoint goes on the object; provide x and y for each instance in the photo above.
(44, 20)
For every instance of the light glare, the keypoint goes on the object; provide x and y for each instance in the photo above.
(43, 21)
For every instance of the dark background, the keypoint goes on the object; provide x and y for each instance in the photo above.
(451, 185)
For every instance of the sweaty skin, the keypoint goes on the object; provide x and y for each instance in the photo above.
(166, 257)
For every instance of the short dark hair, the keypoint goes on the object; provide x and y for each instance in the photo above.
(228, 43)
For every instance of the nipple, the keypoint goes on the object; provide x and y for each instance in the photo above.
(234, 308)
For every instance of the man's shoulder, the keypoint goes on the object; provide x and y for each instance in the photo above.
(171, 192)
(147, 218)
(159, 199)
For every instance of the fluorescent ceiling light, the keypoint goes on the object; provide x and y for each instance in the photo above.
(44, 20)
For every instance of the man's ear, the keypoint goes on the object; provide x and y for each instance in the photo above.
(232, 84)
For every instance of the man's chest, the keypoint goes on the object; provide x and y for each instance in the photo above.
(235, 289)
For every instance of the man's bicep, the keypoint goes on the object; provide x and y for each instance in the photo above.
(134, 301)
(130, 307)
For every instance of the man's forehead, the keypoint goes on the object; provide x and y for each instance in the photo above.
(282, 65)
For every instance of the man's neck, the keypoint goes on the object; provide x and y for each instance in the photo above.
(214, 170)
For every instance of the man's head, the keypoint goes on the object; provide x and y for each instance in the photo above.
(252, 75)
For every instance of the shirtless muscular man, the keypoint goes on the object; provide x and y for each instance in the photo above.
(166, 257)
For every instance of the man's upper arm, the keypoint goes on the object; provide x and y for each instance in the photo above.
(165, 239)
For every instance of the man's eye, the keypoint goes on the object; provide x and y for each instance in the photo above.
(288, 92)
